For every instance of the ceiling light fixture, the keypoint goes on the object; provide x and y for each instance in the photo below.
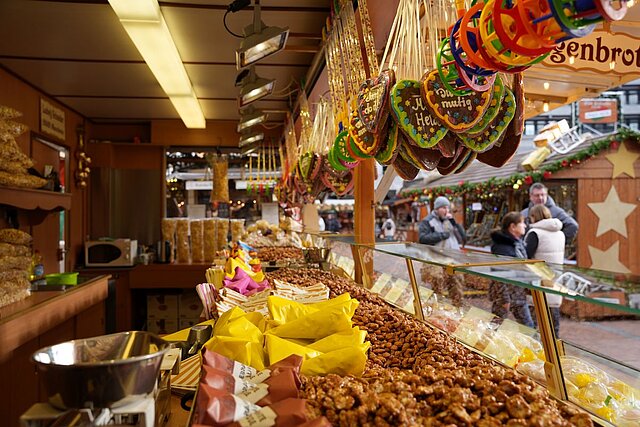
(250, 138)
(148, 30)
(251, 117)
(254, 88)
(545, 106)
(259, 40)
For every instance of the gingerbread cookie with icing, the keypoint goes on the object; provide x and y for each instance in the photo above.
(494, 132)
(413, 118)
(373, 101)
(458, 113)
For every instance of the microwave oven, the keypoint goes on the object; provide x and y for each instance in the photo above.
(110, 253)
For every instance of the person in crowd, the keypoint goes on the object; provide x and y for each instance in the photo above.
(539, 195)
(504, 297)
(388, 229)
(332, 223)
(440, 229)
(545, 241)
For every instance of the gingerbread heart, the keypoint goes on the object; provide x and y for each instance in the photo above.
(334, 162)
(389, 149)
(308, 165)
(339, 185)
(367, 142)
(373, 101)
(458, 113)
(492, 111)
(340, 147)
(412, 115)
(423, 158)
(494, 132)
(450, 164)
(448, 145)
(406, 170)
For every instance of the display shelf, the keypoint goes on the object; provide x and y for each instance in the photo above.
(564, 280)
(28, 199)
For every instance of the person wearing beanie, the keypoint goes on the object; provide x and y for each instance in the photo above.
(440, 229)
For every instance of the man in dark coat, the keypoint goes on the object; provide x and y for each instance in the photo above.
(538, 194)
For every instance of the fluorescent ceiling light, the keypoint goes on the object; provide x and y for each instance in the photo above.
(250, 138)
(148, 30)
(260, 41)
(251, 117)
(254, 88)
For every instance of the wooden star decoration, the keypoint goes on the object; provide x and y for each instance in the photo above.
(612, 213)
(622, 161)
(608, 259)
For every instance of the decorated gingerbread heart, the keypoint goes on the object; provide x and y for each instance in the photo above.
(373, 101)
(492, 111)
(389, 149)
(340, 147)
(457, 112)
(423, 158)
(448, 145)
(406, 170)
(340, 185)
(412, 115)
(494, 132)
(308, 165)
(367, 142)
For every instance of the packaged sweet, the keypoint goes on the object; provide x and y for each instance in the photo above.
(168, 227)
(241, 371)
(288, 412)
(197, 241)
(183, 249)
(218, 408)
(209, 239)
(278, 386)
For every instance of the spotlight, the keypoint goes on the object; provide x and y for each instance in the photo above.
(259, 41)
(251, 117)
(545, 106)
(254, 88)
(250, 138)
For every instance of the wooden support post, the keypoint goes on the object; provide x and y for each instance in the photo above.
(364, 217)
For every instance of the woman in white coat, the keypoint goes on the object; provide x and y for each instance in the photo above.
(545, 241)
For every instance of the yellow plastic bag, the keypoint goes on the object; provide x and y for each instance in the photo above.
(241, 328)
(278, 349)
(283, 310)
(340, 340)
(346, 361)
(317, 325)
(241, 350)
(226, 317)
(340, 299)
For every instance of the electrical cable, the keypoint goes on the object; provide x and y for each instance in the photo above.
(224, 21)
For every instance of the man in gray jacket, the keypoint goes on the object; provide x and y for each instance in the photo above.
(538, 194)
(441, 230)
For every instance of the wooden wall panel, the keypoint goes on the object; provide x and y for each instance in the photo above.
(597, 167)
(595, 191)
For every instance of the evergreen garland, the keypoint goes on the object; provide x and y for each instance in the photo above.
(545, 172)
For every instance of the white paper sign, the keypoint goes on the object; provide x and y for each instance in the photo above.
(270, 213)
(476, 206)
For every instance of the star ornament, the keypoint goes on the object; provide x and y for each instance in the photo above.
(607, 260)
(612, 213)
(622, 161)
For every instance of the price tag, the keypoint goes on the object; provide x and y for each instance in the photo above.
(396, 290)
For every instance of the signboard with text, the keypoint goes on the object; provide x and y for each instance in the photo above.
(598, 110)
(52, 120)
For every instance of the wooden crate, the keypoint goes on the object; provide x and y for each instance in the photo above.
(584, 310)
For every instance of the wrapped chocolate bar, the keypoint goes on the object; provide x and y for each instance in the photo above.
(218, 408)
(278, 386)
(288, 412)
(239, 370)
(183, 250)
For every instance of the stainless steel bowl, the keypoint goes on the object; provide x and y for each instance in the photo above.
(101, 372)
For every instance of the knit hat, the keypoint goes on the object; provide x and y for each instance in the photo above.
(440, 202)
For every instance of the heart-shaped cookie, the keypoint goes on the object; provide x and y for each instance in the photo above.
(496, 129)
(308, 165)
(389, 149)
(423, 158)
(450, 164)
(339, 185)
(448, 145)
(373, 101)
(367, 142)
(333, 160)
(406, 170)
(413, 118)
(457, 112)
(492, 111)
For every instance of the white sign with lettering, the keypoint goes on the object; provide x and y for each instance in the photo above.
(52, 120)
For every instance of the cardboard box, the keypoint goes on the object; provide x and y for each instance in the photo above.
(162, 326)
(190, 306)
(162, 306)
(585, 310)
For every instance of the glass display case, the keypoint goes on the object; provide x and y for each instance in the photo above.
(505, 309)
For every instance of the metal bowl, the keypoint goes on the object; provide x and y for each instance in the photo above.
(101, 372)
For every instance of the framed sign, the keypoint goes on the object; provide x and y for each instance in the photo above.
(52, 120)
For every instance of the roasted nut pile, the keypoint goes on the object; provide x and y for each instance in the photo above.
(268, 254)
(419, 376)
